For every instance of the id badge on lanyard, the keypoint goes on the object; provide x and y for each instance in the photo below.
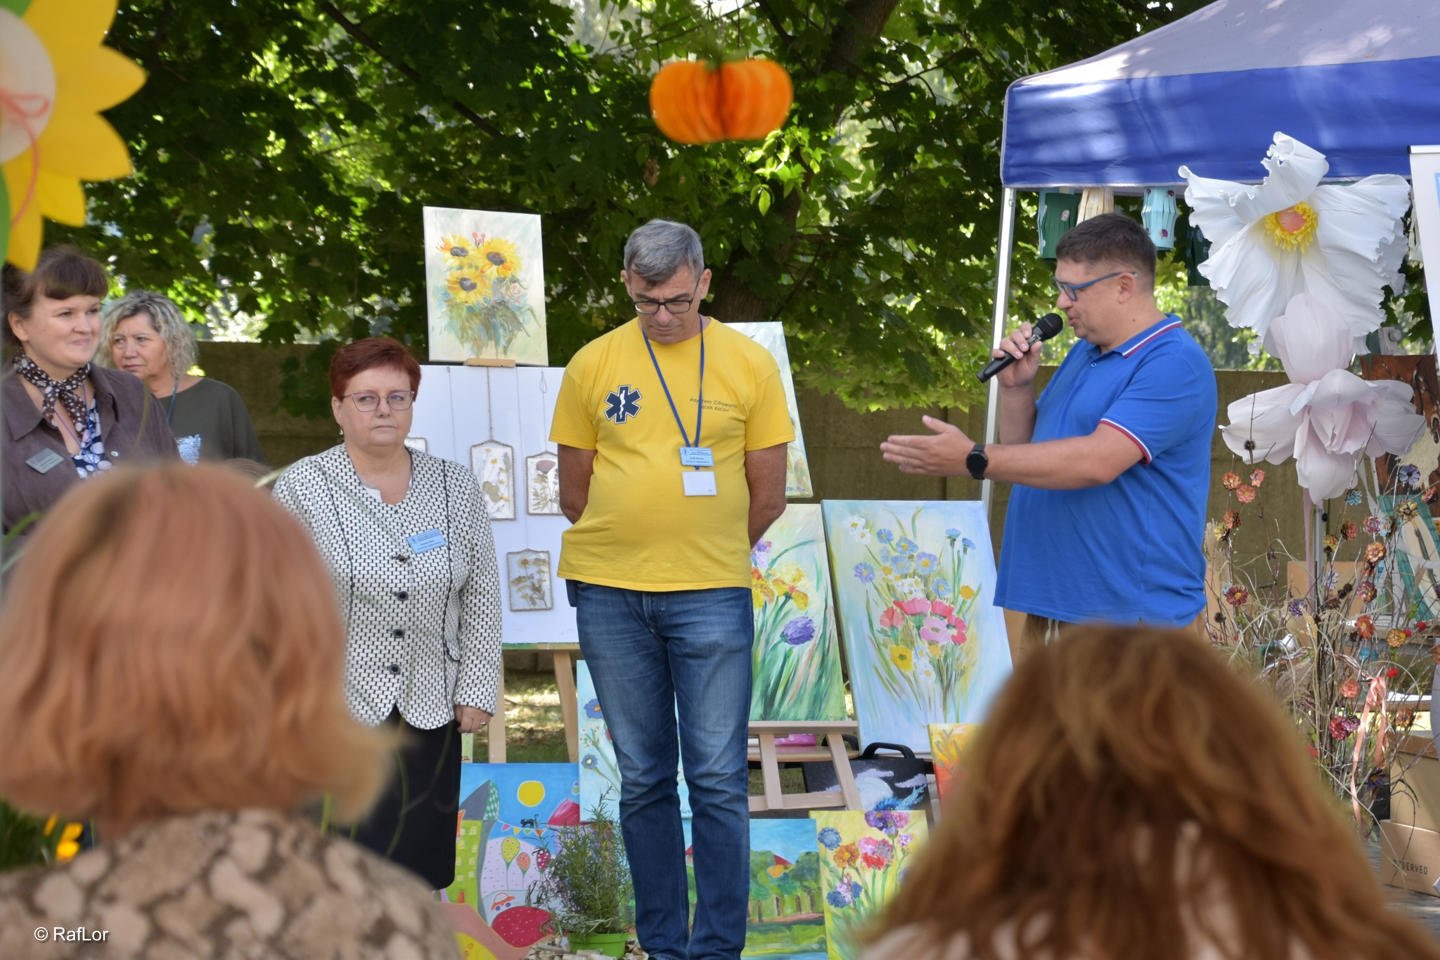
(697, 481)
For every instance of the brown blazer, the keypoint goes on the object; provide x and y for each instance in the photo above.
(132, 424)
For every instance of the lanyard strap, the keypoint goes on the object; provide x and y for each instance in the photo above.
(700, 405)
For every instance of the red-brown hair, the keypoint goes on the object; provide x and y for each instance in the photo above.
(368, 354)
(1130, 793)
(170, 643)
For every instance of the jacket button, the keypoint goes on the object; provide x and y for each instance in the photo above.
(398, 633)
(394, 668)
(401, 595)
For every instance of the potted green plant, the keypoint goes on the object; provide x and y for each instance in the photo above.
(586, 885)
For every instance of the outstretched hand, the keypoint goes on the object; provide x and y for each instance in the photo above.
(940, 454)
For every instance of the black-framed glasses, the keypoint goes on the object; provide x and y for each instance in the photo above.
(674, 306)
(367, 402)
(1071, 289)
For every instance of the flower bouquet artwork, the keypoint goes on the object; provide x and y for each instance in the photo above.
(599, 771)
(485, 285)
(771, 336)
(796, 652)
(862, 860)
(505, 834)
(915, 586)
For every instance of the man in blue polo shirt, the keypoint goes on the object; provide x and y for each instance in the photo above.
(1111, 464)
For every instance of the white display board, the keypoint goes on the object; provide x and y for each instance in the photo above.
(474, 416)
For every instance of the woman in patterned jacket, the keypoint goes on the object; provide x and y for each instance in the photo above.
(185, 696)
(407, 539)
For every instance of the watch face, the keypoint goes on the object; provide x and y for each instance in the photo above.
(976, 463)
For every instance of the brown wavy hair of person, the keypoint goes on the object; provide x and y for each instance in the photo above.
(368, 354)
(60, 273)
(1131, 795)
(170, 643)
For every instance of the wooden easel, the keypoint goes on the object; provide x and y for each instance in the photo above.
(488, 362)
(770, 755)
(563, 663)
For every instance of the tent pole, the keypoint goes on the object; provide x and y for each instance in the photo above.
(1002, 309)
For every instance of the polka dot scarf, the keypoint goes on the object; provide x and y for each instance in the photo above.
(70, 392)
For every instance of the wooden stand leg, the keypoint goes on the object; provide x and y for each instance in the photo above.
(569, 709)
(495, 729)
(843, 774)
(770, 772)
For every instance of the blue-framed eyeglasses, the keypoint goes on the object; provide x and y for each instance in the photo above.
(1071, 289)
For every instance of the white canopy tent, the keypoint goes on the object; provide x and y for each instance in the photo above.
(1360, 82)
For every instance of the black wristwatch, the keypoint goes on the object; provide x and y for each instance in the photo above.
(977, 462)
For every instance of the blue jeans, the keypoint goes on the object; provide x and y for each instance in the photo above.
(649, 653)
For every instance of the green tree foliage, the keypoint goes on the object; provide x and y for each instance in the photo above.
(283, 152)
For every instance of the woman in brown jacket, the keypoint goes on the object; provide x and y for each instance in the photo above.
(65, 420)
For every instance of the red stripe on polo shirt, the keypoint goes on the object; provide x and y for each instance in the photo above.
(1168, 326)
(1144, 450)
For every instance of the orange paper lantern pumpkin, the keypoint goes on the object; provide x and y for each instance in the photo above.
(697, 102)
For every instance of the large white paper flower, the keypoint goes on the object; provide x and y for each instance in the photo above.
(1290, 235)
(1327, 417)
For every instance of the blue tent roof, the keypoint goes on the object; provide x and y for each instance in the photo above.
(1358, 81)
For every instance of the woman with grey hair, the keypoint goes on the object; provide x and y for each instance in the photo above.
(145, 334)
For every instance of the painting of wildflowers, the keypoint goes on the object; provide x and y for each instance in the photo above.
(599, 773)
(796, 652)
(770, 335)
(862, 860)
(485, 285)
(914, 586)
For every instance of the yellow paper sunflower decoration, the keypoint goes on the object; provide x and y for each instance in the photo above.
(55, 78)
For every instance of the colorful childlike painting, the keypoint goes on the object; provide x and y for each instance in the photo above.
(771, 336)
(599, 773)
(485, 285)
(862, 857)
(796, 652)
(508, 815)
(915, 583)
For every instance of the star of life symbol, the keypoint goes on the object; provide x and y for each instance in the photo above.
(623, 403)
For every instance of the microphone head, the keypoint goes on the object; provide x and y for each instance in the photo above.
(1049, 325)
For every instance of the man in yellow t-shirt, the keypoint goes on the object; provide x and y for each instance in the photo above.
(672, 431)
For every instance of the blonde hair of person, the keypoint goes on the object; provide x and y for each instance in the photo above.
(170, 643)
(166, 320)
(1130, 795)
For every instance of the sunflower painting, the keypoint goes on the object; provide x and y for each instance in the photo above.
(485, 285)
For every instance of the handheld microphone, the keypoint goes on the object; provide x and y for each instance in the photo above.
(1047, 327)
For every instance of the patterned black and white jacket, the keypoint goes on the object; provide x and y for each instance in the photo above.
(417, 581)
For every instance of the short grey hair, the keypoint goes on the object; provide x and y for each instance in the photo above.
(656, 250)
(166, 319)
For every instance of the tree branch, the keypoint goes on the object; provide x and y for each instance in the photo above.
(363, 38)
